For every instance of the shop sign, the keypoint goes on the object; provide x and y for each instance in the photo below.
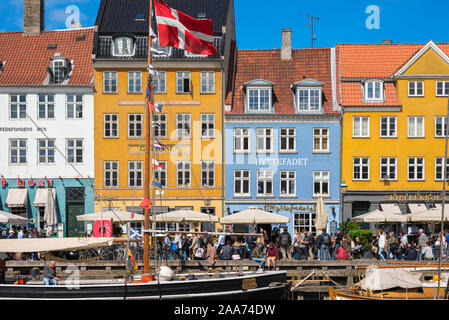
(290, 208)
(20, 129)
(30, 183)
(414, 197)
(282, 162)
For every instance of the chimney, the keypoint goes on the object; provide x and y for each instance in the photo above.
(387, 41)
(286, 49)
(33, 17)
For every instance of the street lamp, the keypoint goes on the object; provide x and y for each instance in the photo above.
(343, 186)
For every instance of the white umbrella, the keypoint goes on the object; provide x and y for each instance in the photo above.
(52, 244)
(184, 216)
(114, 215)
(253, 215)
(381, 216)
(431, 215)
(321, 216)
(6, 217)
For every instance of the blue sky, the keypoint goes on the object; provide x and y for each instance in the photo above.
(259, 22)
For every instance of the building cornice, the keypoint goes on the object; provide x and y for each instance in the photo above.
(372, 108)
(46, 89)
(158, 64)
(230, 118)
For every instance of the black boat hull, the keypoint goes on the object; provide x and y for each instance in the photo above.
(269, 285)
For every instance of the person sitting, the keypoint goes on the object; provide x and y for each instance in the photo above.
(357, 248)
(226, 250)
(50, 277)
(236, 251)
(342, 254)
(199, 254)
(257, 255)
(272, 256)
(427, 253)
(410, 253)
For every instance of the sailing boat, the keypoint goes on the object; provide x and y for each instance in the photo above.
(225, 285)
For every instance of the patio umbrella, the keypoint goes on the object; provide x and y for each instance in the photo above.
(114, 215)
(321, 216)
(431, 215)
(184, 216)
(253, 215)
(6, 217)
(381, 216)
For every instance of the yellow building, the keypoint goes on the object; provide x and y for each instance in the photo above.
(190, 88)
(394, 99)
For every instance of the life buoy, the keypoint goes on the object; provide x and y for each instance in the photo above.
(32, 221)
(107, 228)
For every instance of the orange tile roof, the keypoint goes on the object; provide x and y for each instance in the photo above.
(27, 56)
(267, 64)
(352, 95)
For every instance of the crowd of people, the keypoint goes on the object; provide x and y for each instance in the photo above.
(21, 233)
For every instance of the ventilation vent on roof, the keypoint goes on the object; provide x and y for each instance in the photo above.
(1, 65)
(201, 14)
(140, 16)
(52, 46)
(80, 37)
(387, 41)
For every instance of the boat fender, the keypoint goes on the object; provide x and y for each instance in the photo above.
(32, 221)
(166, 273)
(19, 282)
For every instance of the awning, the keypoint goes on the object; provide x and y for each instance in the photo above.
(52, 244)
(41, 198)
(17, 197)
(114, 215)
(253, 215)
(416, 207)
(390, 207)
(13, 219)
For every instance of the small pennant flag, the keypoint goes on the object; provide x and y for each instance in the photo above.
(157, 165)
(155, 106)
(158, 145)
(151, 70)
(156, 184)
(131, 262)
(132, 215)
(146, 203)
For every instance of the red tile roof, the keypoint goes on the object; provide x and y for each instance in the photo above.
(352, 95)
(27, 56)
(267, 64)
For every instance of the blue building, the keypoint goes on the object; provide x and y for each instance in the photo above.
(282, 135)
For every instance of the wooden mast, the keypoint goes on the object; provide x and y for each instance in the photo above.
(147, 164)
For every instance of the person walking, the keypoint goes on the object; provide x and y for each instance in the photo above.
(295, 246)
(303, 245)
(381, 245)
(325, 242)
(422, 240)
(211, 254)
(311, 246)
(285, 243)
(391, 242)
(338, 240)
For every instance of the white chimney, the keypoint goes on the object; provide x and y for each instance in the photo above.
(286, 49)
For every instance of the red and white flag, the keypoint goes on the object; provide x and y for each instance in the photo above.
(176, 29)
(157, 165)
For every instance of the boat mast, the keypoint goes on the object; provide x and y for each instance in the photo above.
(445, 126)
(147, 165)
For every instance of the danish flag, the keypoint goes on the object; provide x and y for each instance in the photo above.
(157, 165)
(176, 29)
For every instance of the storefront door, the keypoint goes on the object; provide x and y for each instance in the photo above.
(74, 227)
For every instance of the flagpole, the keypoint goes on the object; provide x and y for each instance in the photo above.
(147, 165)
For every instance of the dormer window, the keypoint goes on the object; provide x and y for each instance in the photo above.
(374, 90)
(2, 65)
(123, 46)
(308, 95)
(59, 70)
(259, 96)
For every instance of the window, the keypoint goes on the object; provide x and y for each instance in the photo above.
(416, 168)
(46, 150)
(388, 168)
(360, 168)
(264, 140)
(207, 173)
(17, 106)
(388, 127)
(207, 126)
(259, 99)
(135, 174)
(440, 127)
(288, 183)
(160, 124)
(46, 106)
(416, 127)
(109, 82)
(309, 99)
(59, 67)
(134, 125)
(320, 182)
(304, 220)
(207, 81)
(442, 88)
(134, 82)
(183, 172)
(183, 126)
(183, 82)
(241, 183)
(415, 88)
(321, 140)
(110, 126)
(373, 90)
(288, 140)
(123, 46)
(161, 173)
(74, 150)
(17, 151)
(111, 174)
(360, 127)
(160, 82)
(264, 183)
(439, 169)
(160, 51)
(241, 140)
(74, 106)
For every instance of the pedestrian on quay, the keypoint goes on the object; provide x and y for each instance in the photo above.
(303, 245)
(410, 253)
(195, 244)
(311, 245)
(318, 243)
(337, 242)
(167, 248)
(422, 240)
(178, 244)
(356, 248)
(211, 254)
(50, 277)
(324, 242)
(403, 243)
(426, 253)
(184, 247)
(391, 244)
(236, 250)
(374, 246)
(333, 248)
(285, 243)
(272, 256)
(295, 246)
(381, 245)
(221, 243)
(258, 255)
(346, 244)
(342, 253)
(226, 251)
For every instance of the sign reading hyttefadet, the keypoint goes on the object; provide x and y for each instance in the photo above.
(282, 162)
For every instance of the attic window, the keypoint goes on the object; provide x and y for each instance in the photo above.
(140, 16)
(374, 90)
(123, 46)
(2, 64)
(60, 69)
(80, 37)
(51, 46)
(309, 94)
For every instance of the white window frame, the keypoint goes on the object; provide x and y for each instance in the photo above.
(207, 79)
(49, 106)
(21, 106)
(360, 165)
(258, 104)
(160, 82)
(207, 121)
(439, 166)
(183, 167)
(242, 134)
(185, 132)
(361, 123)
(110, 82)
(134, 82)
(321, 177)
(388, 124)
(265, 177)
(443, 125)
(321, 137)
(76, 105)
(416, 165)
(415, 133)
(288, 136)
(47, 149)
(444, 89)
(57, 66)
(181, 77)
(114, 125)
(135, 125)
(264, 141)
(161, 120)
(135, 174)
(18, 149)
(108, 182)
(415, 89)
(304, 220)
(390, 165)
(309, 107)
(242, 179)
(121, 44)
(288, 178)
(75, 149)
(207, 174)
(373, 83)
